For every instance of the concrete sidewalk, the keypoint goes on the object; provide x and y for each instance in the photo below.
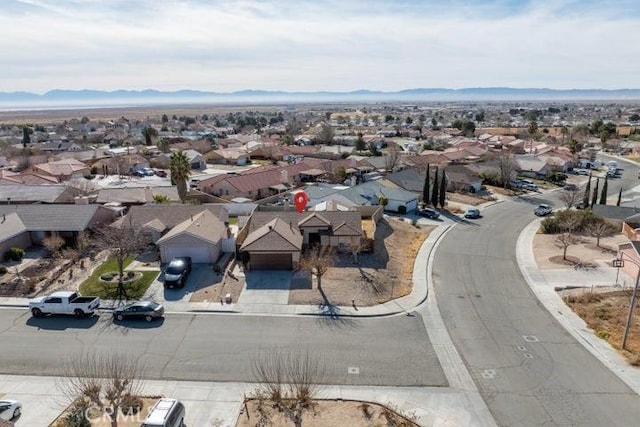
(543, 285)
(220, 404)
(253, 306)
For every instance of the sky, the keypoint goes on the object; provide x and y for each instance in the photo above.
(318, 45)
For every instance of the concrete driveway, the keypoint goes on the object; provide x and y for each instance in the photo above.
(201, 275)
(266, 287)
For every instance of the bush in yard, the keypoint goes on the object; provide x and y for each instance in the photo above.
(551, 225)
(76, 415)
(3, 269)
(14, 254)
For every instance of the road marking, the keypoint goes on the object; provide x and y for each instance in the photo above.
(352, 370)
(530, 338)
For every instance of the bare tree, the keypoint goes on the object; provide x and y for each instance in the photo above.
(289, 380)
(317, 261)
(355, 247)
(122, 241)
(108, 382)
(507, 166)
(570, 197)
(392, 157)
(564, 240)
(600, 229)
(53, 244)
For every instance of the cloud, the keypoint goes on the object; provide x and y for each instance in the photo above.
(225, 45)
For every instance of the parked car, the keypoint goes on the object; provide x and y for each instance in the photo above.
(160, 173)
(570, 187)
(64, 303)
(543, 210)
(530, 187)
(165, 413)
(177, 272)
(10, 409)
(472, 213)
(428, 213)
(147, 310)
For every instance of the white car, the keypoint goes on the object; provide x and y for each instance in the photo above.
(10, 409)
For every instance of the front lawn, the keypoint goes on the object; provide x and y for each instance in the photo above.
(108, 290)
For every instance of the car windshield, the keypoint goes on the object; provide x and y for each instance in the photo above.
(175, 268)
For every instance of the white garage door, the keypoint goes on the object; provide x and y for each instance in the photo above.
(198, 254)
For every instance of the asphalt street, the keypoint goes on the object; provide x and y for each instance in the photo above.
(387, 351)
(529, 370)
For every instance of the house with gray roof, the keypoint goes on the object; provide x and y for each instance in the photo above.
(370, 193)
(275, 240)
(28, 194)
(27, 225)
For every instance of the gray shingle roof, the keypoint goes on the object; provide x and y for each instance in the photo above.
(67, 217)
(171, 215)
(274, 236)
(34, 193)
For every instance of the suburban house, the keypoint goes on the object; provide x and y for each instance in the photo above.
(62, 169)
(252, 184)
(408, 179)
(462, 178)
(27, 177)
(369, 193)
(623, 217)
(531, 166)
(29, 194)
(198, 231)
(196, 160)
(275, 240)
(27, 225)
(229, 156)
(199, 237)
(136, 195)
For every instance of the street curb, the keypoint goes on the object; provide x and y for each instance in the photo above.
(571, 322)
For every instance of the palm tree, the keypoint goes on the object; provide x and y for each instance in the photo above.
(149, 133)
(180, 171)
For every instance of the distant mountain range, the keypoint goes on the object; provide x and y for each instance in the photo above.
(59, 98)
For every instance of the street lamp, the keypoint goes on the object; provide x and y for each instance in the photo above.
(620, 263)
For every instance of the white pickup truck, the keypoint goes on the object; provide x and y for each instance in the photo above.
(64, 303)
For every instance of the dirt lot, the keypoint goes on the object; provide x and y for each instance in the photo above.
(331, 413)
(549, 256)
(605, 310)
(385, 274)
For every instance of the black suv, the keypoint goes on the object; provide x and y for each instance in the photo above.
(176, 273)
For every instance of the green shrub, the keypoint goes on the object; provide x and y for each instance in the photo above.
(14, 254)
(131, 404)
(603, 335)
(76, 416)
(3, 269)
(553, 225)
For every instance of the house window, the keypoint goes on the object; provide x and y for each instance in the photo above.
(226, 192)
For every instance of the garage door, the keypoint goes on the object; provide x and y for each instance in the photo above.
(198, 254)
(271, 261)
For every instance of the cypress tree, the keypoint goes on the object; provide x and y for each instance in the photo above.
(443, 189)
(434, 192)
(603, 194)
(587, 193)
(619, 197)
(594, 195)
(425, 189)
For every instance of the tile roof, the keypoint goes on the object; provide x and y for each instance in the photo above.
(203, 226)
(62, 167)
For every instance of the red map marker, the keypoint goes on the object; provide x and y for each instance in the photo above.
(300, 200)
